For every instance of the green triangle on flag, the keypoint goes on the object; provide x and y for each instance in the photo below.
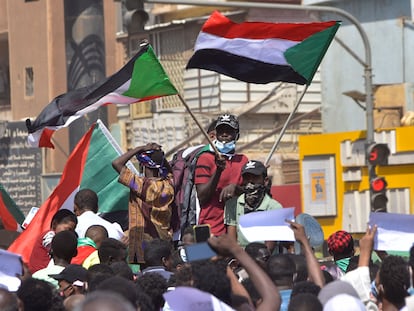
(149, 78)
(306, 56)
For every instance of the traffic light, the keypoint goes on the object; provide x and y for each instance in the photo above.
(134, 16)
(377, 154)
(379, 200)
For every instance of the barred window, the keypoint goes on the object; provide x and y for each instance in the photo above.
(29, 82)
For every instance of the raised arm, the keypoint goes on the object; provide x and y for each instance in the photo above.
(314, 269)
(119, 162)
(360, 277)
(226, 246)
(206, 191)
(366, 244)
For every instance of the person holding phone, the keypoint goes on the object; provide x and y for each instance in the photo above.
(201, 233)
(255, 198)
(226, 246)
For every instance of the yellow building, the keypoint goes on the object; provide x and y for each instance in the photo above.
(335, 181)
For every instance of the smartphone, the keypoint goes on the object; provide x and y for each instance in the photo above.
(201, 233)
(199, 251)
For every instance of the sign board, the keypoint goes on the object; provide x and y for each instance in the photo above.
(20, 167)
(319, 185)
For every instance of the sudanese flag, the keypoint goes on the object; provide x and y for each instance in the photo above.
(257, 52)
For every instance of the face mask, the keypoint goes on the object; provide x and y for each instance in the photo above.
(253, 196)
(343, 264)
(225, 147)
(146, 161)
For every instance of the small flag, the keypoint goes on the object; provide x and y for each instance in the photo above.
(257, 52)
(10, 214)
(88, 166)
(142, 78)
(395, 231)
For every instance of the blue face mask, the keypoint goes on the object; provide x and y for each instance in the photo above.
(225, 147)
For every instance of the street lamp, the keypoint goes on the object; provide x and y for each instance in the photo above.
(357, 97)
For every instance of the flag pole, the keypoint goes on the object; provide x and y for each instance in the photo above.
(283, 130)
(203, 131)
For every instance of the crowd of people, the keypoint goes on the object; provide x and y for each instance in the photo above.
(84, 262)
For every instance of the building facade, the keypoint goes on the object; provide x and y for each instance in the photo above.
(48, 47)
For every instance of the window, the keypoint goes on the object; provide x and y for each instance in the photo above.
(4, 82)
(29, 81)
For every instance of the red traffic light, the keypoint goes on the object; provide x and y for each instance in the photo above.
(379, 198)
(378, 184)
(377, 154)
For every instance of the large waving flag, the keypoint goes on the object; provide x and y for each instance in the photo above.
(10, 214)
(257, 52)
(88, 166)
(142, 78)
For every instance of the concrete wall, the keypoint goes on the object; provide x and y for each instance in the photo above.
(391, 37)
(36, 38)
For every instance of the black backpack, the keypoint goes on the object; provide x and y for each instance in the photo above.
(185, 196)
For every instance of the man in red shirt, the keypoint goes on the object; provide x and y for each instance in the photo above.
(218, 178)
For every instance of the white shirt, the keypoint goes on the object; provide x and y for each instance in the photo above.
(89, 218)
(43, 274)
(360, 280)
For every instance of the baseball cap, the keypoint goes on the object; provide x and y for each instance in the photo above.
(340, 241)
(255, 168)
(228, 119)
(71, 274)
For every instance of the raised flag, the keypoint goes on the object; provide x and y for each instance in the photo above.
(395, 231)
(142, 78)
(267, 225)
(10, 214)
(88, 166)
(257, 52)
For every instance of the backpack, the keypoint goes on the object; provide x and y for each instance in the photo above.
(185, 196)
